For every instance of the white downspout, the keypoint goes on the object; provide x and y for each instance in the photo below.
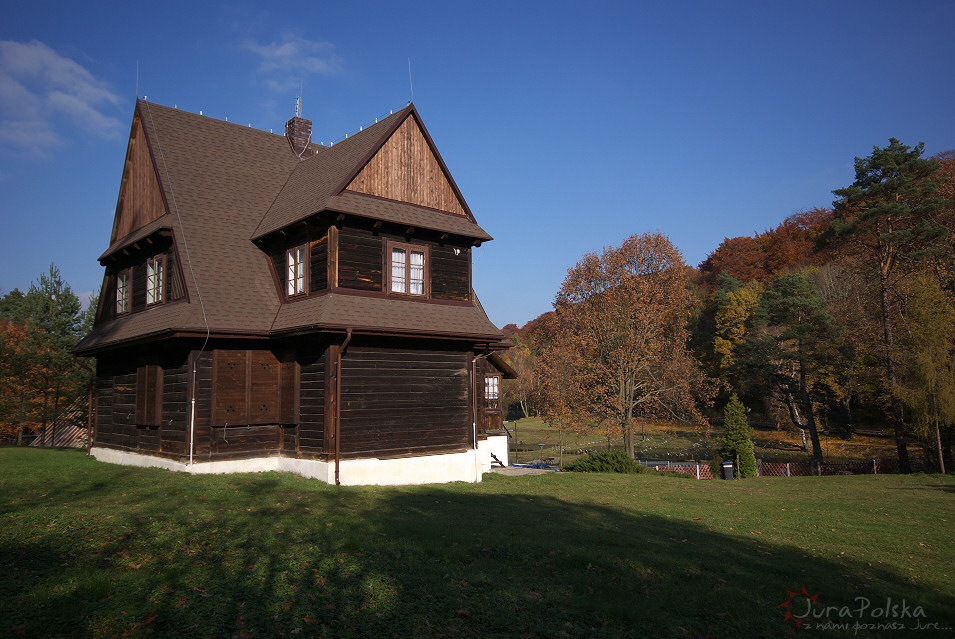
(474, 404)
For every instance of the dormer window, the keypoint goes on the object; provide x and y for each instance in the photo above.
(154, 279)
(122, 292)
(408, 272)
(295, 259)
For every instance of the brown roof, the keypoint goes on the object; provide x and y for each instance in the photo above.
(380, 313)
(226, 184)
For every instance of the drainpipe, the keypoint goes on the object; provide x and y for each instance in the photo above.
(474, 412)
(338, 408)
(192, 409)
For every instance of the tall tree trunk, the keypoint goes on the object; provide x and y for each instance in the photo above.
(810, 416)
(904, 465)
(627, 412)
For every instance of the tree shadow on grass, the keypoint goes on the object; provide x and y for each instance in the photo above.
(160, 554)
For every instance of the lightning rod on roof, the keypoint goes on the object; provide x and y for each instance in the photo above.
(410, 81)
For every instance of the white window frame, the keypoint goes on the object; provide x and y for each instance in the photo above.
(296, 261)
(123, 281)
(404, 276)
(155, 274)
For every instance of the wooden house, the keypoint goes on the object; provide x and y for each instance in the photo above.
(270, 303)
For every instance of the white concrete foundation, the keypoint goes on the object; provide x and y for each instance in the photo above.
(429, 469)
(496, 444)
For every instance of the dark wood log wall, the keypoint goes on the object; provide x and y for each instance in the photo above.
(450, 273)
(360, 257)
(401, 401)
(318, 265)
(398, 399)
(311, 428)
(116, 419)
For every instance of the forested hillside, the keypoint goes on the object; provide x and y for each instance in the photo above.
(839, 319)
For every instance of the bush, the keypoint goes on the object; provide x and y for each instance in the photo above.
(737, 441)
(607, 461)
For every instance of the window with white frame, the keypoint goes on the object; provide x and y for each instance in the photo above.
(492, 392)
(408, 274)
(295, 276)
(154, 279)
(122, 292)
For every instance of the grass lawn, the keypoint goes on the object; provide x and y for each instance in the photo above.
(90, 549)
(662, 440)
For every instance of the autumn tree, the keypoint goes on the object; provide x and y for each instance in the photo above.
(888, 215)
(927, 371)
(735, 305)
(623, 314)
(524, 390)
(556, 371)
(40, 374)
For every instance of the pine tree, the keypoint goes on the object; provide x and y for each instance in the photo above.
(889, 216)
(737, 442)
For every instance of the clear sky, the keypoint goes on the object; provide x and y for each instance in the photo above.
(568, 126)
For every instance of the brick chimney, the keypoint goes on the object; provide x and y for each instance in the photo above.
(298, 132)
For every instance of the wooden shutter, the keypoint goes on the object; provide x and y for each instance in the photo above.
(149, 380)
(264, 388)
(230, 375)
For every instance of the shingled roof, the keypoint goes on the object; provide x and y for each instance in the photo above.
(224, 185)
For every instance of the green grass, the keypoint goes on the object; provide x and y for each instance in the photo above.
(90, 549)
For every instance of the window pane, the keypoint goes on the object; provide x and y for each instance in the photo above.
(291, 273)
(417, 272)
(398, 267)
(159, 275)
(296, 270)
(492, 391)
(122, 292)
(150, 281)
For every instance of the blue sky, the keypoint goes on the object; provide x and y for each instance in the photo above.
(568, 126)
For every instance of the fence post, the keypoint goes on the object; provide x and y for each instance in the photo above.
(787, 469)
(875, 468)
(697, 471)
(759, 467)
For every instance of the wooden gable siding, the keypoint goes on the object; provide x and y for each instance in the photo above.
(406, 169)
(140, 198)
(400, 401)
